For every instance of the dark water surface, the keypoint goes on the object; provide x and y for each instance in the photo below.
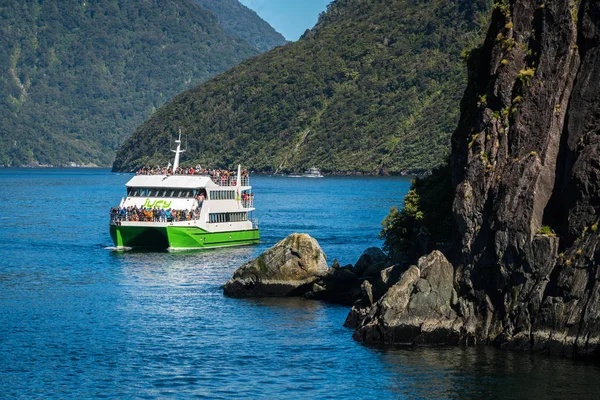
(78, 320)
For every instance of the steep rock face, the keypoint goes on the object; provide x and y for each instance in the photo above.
(295, 262)
(525, 156)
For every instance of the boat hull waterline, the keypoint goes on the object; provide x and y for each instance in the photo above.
(175, 238)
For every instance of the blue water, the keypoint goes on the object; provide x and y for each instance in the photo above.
(78, 320)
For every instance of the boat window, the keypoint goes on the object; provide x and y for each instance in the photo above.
(228, 217)
(222, 195)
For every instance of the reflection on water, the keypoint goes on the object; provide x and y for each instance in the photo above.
(486, 373)
(79, 320)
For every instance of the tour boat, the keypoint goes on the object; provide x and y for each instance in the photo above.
(312, 173)
(185, 211)
(309, 173)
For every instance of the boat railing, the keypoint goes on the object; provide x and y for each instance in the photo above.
(248, 203)
(118, 217)
(225, 180)
(254, 223)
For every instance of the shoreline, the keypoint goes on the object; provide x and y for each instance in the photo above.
(406, 174)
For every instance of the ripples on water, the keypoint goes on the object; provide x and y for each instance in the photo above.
(79, 320)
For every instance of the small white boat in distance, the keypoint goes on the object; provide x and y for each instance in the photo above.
(312, 173)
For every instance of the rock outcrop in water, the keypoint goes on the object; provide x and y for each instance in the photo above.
(525, 270)
(296, 266)
(346, 285)
(417, 309)
(289, 268)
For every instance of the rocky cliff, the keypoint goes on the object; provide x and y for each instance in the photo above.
(526, 167)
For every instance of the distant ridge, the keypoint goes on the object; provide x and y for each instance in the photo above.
(77, 77)
(238, 20)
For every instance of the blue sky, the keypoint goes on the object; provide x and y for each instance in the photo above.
(289, 17)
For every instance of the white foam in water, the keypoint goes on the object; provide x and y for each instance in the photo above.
(115, 248)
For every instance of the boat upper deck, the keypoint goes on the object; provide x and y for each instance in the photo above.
(186, 181)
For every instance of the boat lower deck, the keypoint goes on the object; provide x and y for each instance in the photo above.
(171, 237)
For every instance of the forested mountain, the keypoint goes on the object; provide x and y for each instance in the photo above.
(77, 77)
(239, 21)
(374, 86)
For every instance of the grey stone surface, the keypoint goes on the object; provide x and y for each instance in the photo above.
(291, 266)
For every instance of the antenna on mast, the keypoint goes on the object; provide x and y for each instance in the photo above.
(177, 152)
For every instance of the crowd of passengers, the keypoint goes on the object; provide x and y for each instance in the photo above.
(133, 213)
(224, 174)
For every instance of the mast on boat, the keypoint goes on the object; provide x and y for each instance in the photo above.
(177, 152)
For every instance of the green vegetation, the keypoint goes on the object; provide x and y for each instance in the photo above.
(79, 76)
(376, 85)
(525, 75)
(547, 231)
(427, 212)
(503, 6)
(239, 21)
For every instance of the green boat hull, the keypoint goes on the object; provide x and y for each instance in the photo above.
(179, 237)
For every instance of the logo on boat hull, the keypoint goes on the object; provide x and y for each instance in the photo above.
(157, 204)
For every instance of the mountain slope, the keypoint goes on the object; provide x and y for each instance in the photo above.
(375, 85)
(239, 21)
(78, 77)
